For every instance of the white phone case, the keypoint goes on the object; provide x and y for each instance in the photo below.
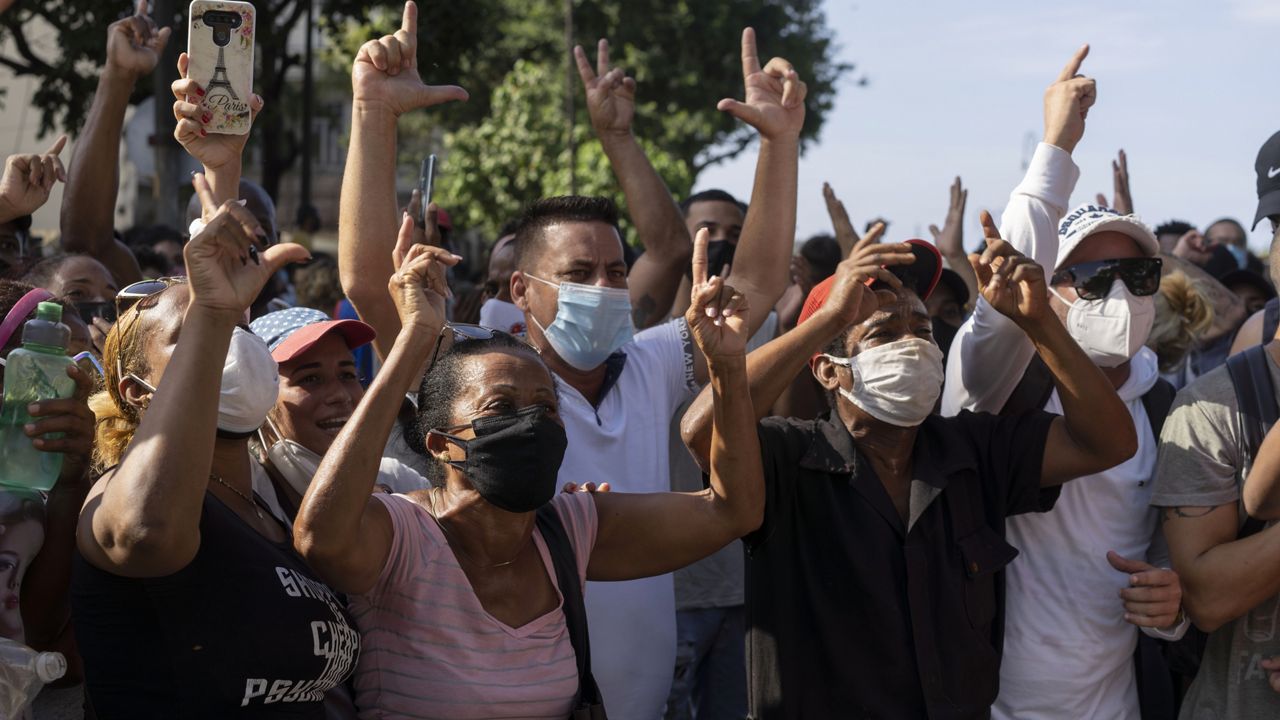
(225, 71)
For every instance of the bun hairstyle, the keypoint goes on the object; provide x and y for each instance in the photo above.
(440, 388)
(1183, 314)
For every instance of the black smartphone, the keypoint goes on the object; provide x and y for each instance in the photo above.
(426, 182)
(90, 310)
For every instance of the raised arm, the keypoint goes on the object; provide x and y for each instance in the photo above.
(143, 518)
(219, 153)
(989, 353)
(1095, 431)
(28, 179)
(775, 108)
(341, 530)
(771, 368)
(656, 276)
(846, 235)
(643, 535)
(385, 84)
(950, 239)
(134, 45)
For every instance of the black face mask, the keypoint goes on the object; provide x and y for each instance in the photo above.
(719, 254)
(514, 459)
(943, 334)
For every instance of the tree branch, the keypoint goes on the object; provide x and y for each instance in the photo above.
(737, 147)
(37, 66)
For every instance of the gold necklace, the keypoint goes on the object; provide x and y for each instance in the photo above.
(456, 546)
(257, 510)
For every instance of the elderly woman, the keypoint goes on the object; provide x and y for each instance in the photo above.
(319, 389)
(188, 598)
(458, 598)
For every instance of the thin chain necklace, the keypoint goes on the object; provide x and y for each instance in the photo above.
(456, 546)
(257, 510)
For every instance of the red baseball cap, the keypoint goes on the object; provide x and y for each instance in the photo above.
(290, 333)
(922, 275)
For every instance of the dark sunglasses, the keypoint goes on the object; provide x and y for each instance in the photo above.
(132, 293)
(463, 332)
(1092, 280)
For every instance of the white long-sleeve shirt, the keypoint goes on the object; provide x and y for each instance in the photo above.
(1068, 652)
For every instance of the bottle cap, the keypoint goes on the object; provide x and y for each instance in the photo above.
(50, 666)
(46, 328)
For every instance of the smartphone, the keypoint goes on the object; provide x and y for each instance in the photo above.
(90, 310)
(220, 47)
(426, 183)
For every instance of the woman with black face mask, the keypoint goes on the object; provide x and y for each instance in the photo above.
(457, 597)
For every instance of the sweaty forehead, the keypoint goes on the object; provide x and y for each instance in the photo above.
(508, 372)
(562, 245)
(903, 311)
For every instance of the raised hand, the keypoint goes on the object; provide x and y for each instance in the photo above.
(1154, 595)
(419, 287)
(717, 313)
(214, 150)
(226, 261)
(950, 239)
(1011, 282)
(611, 95)
(426, 231)
(1192, 247)
(134, 44)
(1120, 178)
(385, 72)
(846, 236)
(1067, 102)
(774, 96)
(852, 300)
(28, 179)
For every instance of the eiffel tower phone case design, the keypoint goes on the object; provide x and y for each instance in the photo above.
(220, 47)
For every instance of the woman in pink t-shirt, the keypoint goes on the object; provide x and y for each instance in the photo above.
(453, 588)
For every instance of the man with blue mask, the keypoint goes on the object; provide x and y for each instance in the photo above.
(1096, 566)
(618, 388)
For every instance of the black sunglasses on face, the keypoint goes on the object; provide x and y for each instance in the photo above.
(1092, 280)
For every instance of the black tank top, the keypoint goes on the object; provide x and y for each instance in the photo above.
(244, 630)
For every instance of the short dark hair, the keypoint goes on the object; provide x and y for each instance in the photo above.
(531, 233)
(712, 195)
(439, 390)
(1230, 221)
(823, 254)
(1174, 227)
(41, 274)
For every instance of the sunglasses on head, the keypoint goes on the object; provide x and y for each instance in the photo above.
(132, 293)
(1092, 280)
(463, 332)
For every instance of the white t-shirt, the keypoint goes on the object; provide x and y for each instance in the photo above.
(624, 441)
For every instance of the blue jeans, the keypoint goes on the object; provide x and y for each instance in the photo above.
(711, 667)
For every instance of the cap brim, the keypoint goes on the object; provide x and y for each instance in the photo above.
(953, 280)
(925, 270)
(354, 332)
(1268, 205)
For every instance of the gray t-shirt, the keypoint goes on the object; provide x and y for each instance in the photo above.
(1203, 463)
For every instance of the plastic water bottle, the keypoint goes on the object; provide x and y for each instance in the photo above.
(35, 371)
(23, 674)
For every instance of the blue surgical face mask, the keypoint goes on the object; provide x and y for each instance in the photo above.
(591, 323)
(1240, 254)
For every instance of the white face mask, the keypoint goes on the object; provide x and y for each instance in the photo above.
(897, 383)
(295, 463)
(501, 315)
(250, 384)
(1111, 330)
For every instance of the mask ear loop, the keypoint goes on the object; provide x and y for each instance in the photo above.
(270, 425)
(460, 442)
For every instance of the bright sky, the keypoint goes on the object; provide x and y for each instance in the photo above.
(1188, 88)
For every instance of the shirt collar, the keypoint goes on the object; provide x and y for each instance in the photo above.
(939, 450)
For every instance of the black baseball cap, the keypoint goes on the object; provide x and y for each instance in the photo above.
(1267, 167)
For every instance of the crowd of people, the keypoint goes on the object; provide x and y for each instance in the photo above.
(719, 475)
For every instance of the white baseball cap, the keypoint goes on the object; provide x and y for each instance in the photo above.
(1088, 219)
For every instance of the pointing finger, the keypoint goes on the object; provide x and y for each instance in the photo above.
(989, 229)
(1073, 65)
(58, 144)
(584, 67)
(750, 57)
(205, 193)
(700, 257)
(409, 21)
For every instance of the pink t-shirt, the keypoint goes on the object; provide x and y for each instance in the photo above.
(430, 650)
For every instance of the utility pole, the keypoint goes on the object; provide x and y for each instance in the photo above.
(165, 195)
(308, 90)
(569, 88)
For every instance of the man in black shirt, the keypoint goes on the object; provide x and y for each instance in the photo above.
(874, 583)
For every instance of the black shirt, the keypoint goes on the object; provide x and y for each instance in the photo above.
(244, 630)
(852, 615)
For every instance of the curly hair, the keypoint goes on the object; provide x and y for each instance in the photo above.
(1183, 314)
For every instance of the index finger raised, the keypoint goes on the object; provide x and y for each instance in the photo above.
(602, 56)
(409, 21)
(57, 145)
(584, 66)
(1072, 67)
(204, 192)
(989, 229)
(750, 56)
(700, 257)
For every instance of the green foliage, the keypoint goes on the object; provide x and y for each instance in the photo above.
(492, 169)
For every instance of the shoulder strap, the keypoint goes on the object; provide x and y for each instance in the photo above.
(1270, 319)
(575, 611)
(1032, 391)
(1256, 404)
(1157, 401)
